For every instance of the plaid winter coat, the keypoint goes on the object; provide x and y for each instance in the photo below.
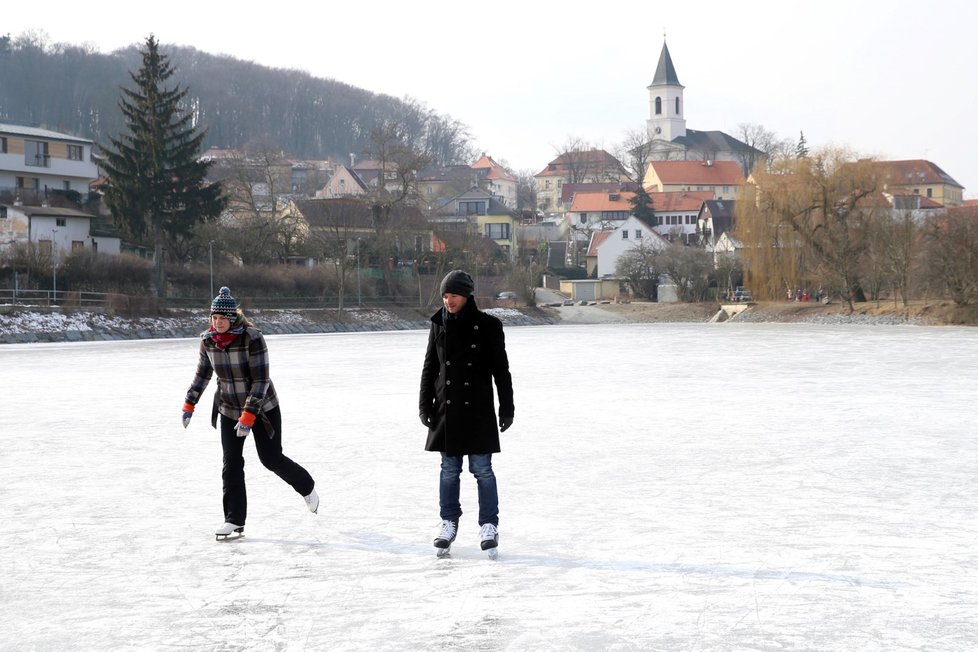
(243, 382)
(465, 356)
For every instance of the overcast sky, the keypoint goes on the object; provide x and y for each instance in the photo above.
(890, 79)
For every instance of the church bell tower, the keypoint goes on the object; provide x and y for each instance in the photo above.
(666, 109)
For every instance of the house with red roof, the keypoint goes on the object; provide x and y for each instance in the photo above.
(722, 178)
(920, 177)
(591, 166)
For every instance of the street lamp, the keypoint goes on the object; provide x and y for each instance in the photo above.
(358, 272)
(210, 256)
(54, 268)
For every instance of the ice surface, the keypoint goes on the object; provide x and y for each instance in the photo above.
(664, 487)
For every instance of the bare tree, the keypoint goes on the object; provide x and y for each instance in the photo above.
(951, 253)
(636, 152)
(401, 158)
(642, 266)
(761, 145)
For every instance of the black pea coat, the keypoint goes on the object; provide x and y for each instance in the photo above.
(465, 354)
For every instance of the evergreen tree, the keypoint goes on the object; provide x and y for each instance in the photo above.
(642, 207)
(801, 150)
(156, 184)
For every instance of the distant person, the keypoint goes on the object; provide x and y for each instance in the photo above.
(234, 350)
(466, 353)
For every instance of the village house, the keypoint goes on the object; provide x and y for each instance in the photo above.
(722, 178)
(592, 166)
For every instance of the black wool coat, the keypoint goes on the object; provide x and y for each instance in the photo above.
(465, 355)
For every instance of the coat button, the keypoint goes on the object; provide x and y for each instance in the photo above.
(476, 327)
(448, 363)
(473, 346)
(448, 382)
(448, 402)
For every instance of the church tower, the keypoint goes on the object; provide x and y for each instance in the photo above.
(666, 121)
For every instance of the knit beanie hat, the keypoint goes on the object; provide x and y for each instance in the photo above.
(457, 282)
(225, 304)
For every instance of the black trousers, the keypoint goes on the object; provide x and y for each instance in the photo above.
(270, 455)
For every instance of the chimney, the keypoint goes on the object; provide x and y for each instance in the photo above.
(353, 160)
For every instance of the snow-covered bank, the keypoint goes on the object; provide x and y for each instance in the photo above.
(26, 326)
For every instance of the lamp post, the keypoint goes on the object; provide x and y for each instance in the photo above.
(358, 272)
(210, 257)
(54, 267)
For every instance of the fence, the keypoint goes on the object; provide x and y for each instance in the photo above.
(100, 300)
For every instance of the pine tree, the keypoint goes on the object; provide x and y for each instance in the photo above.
(642, 207)
(156, 184)
(801, 149)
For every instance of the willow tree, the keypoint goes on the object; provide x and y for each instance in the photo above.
(807, 220)
(156, 183)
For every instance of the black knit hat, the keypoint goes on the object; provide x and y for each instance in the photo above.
(225, 304)
(457, 282)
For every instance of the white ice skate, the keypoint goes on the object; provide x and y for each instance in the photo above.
(490, 540)
(227, 530)
(312, 501)
(443, 542)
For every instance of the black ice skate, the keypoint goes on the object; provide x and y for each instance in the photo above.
(490, 540)
(443, 542)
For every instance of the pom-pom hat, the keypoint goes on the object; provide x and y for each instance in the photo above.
(457, 282)
(224, 304)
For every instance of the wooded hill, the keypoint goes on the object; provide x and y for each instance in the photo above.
(76, 90)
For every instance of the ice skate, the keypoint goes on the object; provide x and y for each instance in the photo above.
(227, 530)
(312, 501)
(443, 542)
(490, 540)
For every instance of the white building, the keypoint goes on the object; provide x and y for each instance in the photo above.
(37, 164)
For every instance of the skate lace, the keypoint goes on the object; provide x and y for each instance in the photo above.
(488, 532)
(447, 530)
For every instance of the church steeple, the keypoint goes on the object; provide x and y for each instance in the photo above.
(665, 72)
(666, 108)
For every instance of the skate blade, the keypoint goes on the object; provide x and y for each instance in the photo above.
(443, 552)
(493, 553)
(237, 534)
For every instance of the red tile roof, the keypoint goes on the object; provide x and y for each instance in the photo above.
(698, 173)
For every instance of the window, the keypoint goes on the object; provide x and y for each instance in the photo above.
(498, 231)
(3, 212)
(677, 106)
(624, 234)
(472, 208)
(60, 221)
(77, 245)
(3, 144)
(583, 218)
(726, 189)
(546, 184)
(35, 153)
(638, 234)
(74, 152)
(658, 106)
(930, 192)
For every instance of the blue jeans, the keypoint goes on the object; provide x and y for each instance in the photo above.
(481, 467)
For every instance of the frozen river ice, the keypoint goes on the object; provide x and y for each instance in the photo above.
(664, 487)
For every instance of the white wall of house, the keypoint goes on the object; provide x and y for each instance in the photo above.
(631, 233)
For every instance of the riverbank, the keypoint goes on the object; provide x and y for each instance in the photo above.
(31, 324)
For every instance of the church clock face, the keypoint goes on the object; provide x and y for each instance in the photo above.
(658, 130)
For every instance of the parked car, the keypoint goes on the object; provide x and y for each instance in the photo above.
(506, 296)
